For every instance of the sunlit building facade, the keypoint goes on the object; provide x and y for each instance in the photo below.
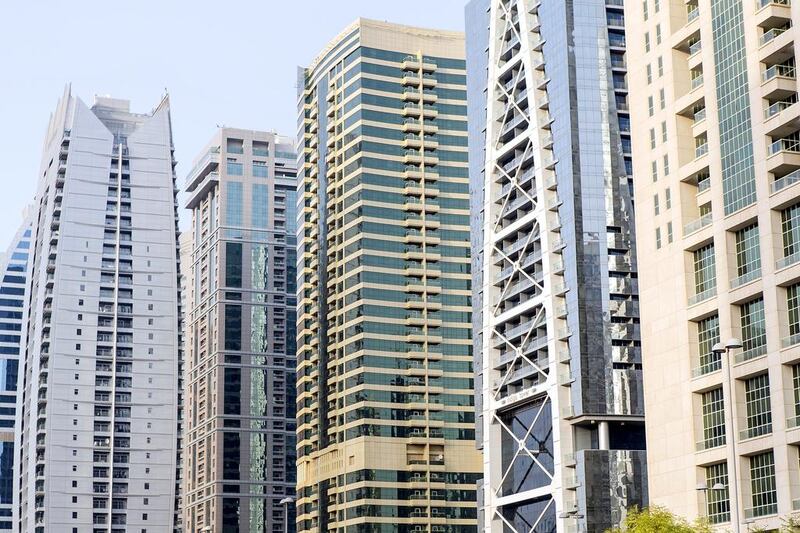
(385, 374)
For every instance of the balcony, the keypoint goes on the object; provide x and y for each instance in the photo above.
(761, 511)
(702, 296)
(751, 353)
(783, 156)
(785, 181)
(207, 163)
(745, 278)
(779, 82)
(697, 224)
(710, 443)
(788, 260)
(755, 431)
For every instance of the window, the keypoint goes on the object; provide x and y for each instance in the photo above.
(794, 421)
(762, 484)
(652, 138)
(664, 132)
(754, 334)
(660, 62)
(657, 5)
(647, 42)
(666, 165)
(705, 276)
(234, 168)
(669, 232)
(654, 170)
(645, 14)
(260, 169)
(718, 501)
(234, 207)
(793, 307)
(790, 227)
(668, 198)
(658, 33)
(713, 419)
(662, 100)
(650, 106)
(707, 337)
(260, 149)
(649, 73)
(656, 209)
(759, 409)
(260, 205)
(658, 238)
(748, 258)
(235, 146)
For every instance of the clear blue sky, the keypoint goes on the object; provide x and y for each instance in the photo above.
(224, 62)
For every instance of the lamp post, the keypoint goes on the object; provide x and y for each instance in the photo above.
(733, 481)
(704, 488)
(286, 502)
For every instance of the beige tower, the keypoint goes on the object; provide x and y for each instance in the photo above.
(716, 142)
(386, 417)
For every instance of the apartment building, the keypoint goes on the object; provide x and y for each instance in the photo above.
(385, 375)
(14, 264)
(557, 331)
(717, 158)
(239, 442)
(99, 371)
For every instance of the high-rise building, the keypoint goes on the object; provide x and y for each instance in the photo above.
(385, 374)
(717, 155)
(239, 456)
(14, 266)
(100, 377)
(557, 335)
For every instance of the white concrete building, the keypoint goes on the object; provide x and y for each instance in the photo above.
(100, 376)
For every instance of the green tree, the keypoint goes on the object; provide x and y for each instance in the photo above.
(659, 520)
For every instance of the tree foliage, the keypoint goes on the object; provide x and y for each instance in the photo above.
(661, 520)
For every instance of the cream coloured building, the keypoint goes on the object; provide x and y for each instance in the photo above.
(716, 145)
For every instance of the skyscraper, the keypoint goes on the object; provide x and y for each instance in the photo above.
(385, 374)
(100, 376)
(555, 281)
(717, 152)
(14, 266)
(240, 402)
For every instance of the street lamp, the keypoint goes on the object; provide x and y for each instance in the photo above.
(719, 348)
(704, 488)
(286, 502)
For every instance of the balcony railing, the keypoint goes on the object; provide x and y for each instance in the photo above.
(783, 71)
(702, 296)
(700, 150)
(791, 340)
(709, 366)
(772, 33)
(711, 442)
(745, 278)
(695, 47)
(785, 181)
(776, 108)
(761, 510)
(697, 224)
(765, 3)
(755, 431)
(784, 145)
(750, 353)
(788, 260)
(692, 12)
(697, 81)
(700, 115)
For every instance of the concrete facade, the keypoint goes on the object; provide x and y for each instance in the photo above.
(717, 157)
(99, 384)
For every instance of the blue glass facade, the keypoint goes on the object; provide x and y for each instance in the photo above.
(14, 271)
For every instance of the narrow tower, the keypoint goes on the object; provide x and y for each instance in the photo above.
(239, 457)
(556, 289)
(100, 377)
(385, 374)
